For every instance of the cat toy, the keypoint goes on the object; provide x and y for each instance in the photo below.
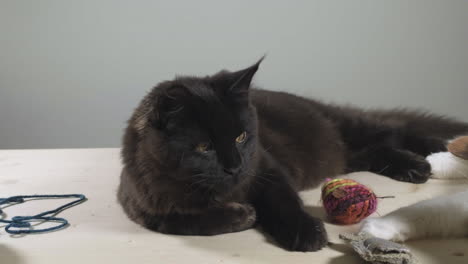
(22, 224)
(347, 201)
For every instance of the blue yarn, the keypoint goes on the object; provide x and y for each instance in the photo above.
(22, 224)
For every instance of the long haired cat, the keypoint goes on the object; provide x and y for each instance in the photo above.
(211, 155)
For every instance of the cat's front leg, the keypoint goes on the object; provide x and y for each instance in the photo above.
(398, 164)
(228, 218)
(281, 215)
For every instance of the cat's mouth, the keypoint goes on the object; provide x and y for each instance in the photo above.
(220, 184)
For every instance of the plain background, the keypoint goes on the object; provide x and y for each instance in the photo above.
(72, 71)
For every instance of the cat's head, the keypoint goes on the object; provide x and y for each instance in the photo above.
(202, 129)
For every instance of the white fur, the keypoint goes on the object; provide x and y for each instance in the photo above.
(440, 217)
(445, 165)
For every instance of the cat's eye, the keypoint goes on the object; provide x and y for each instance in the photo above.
(202, 147)
(241, 138)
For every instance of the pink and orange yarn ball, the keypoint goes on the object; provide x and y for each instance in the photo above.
(347, 201)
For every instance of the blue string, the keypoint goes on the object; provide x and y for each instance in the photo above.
(22, 224)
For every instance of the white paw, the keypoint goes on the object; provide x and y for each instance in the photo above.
(383, 228)
(445, 165)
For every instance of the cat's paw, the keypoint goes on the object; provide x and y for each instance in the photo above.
(243, 216)
(384, 228)
(409, 167)
(425, 146)
(418, 171)
(305, 234)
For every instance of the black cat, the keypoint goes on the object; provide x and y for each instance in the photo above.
(211, 155)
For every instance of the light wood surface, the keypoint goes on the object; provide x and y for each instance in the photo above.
(99, 232)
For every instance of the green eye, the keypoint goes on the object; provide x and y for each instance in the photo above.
(202, 147)
(241, 138)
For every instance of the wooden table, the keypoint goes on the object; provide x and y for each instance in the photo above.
(99, 232)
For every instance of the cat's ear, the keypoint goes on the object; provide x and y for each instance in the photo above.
(169, 103)
(235, 83)
(242, 79)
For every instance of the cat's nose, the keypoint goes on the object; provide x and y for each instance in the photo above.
(231, 171)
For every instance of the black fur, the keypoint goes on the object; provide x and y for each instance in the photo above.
(292, 143)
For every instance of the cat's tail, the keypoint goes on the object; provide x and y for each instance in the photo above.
(423, 124)
(438, 126)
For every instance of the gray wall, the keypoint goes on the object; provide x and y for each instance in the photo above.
(72, 71)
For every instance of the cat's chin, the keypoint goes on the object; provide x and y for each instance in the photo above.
(225, 187)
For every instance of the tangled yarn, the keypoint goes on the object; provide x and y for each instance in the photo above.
(347, 201)
(22, 224)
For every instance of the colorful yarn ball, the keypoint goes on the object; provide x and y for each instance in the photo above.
(347, 201)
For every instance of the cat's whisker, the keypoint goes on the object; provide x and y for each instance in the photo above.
(182, 158)
(266, 173)
(196, 183)
(199, 181)
(386, 167)
(265, 179)
(320, 161)
(253, 174)
(199, 175)
(192, 191)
